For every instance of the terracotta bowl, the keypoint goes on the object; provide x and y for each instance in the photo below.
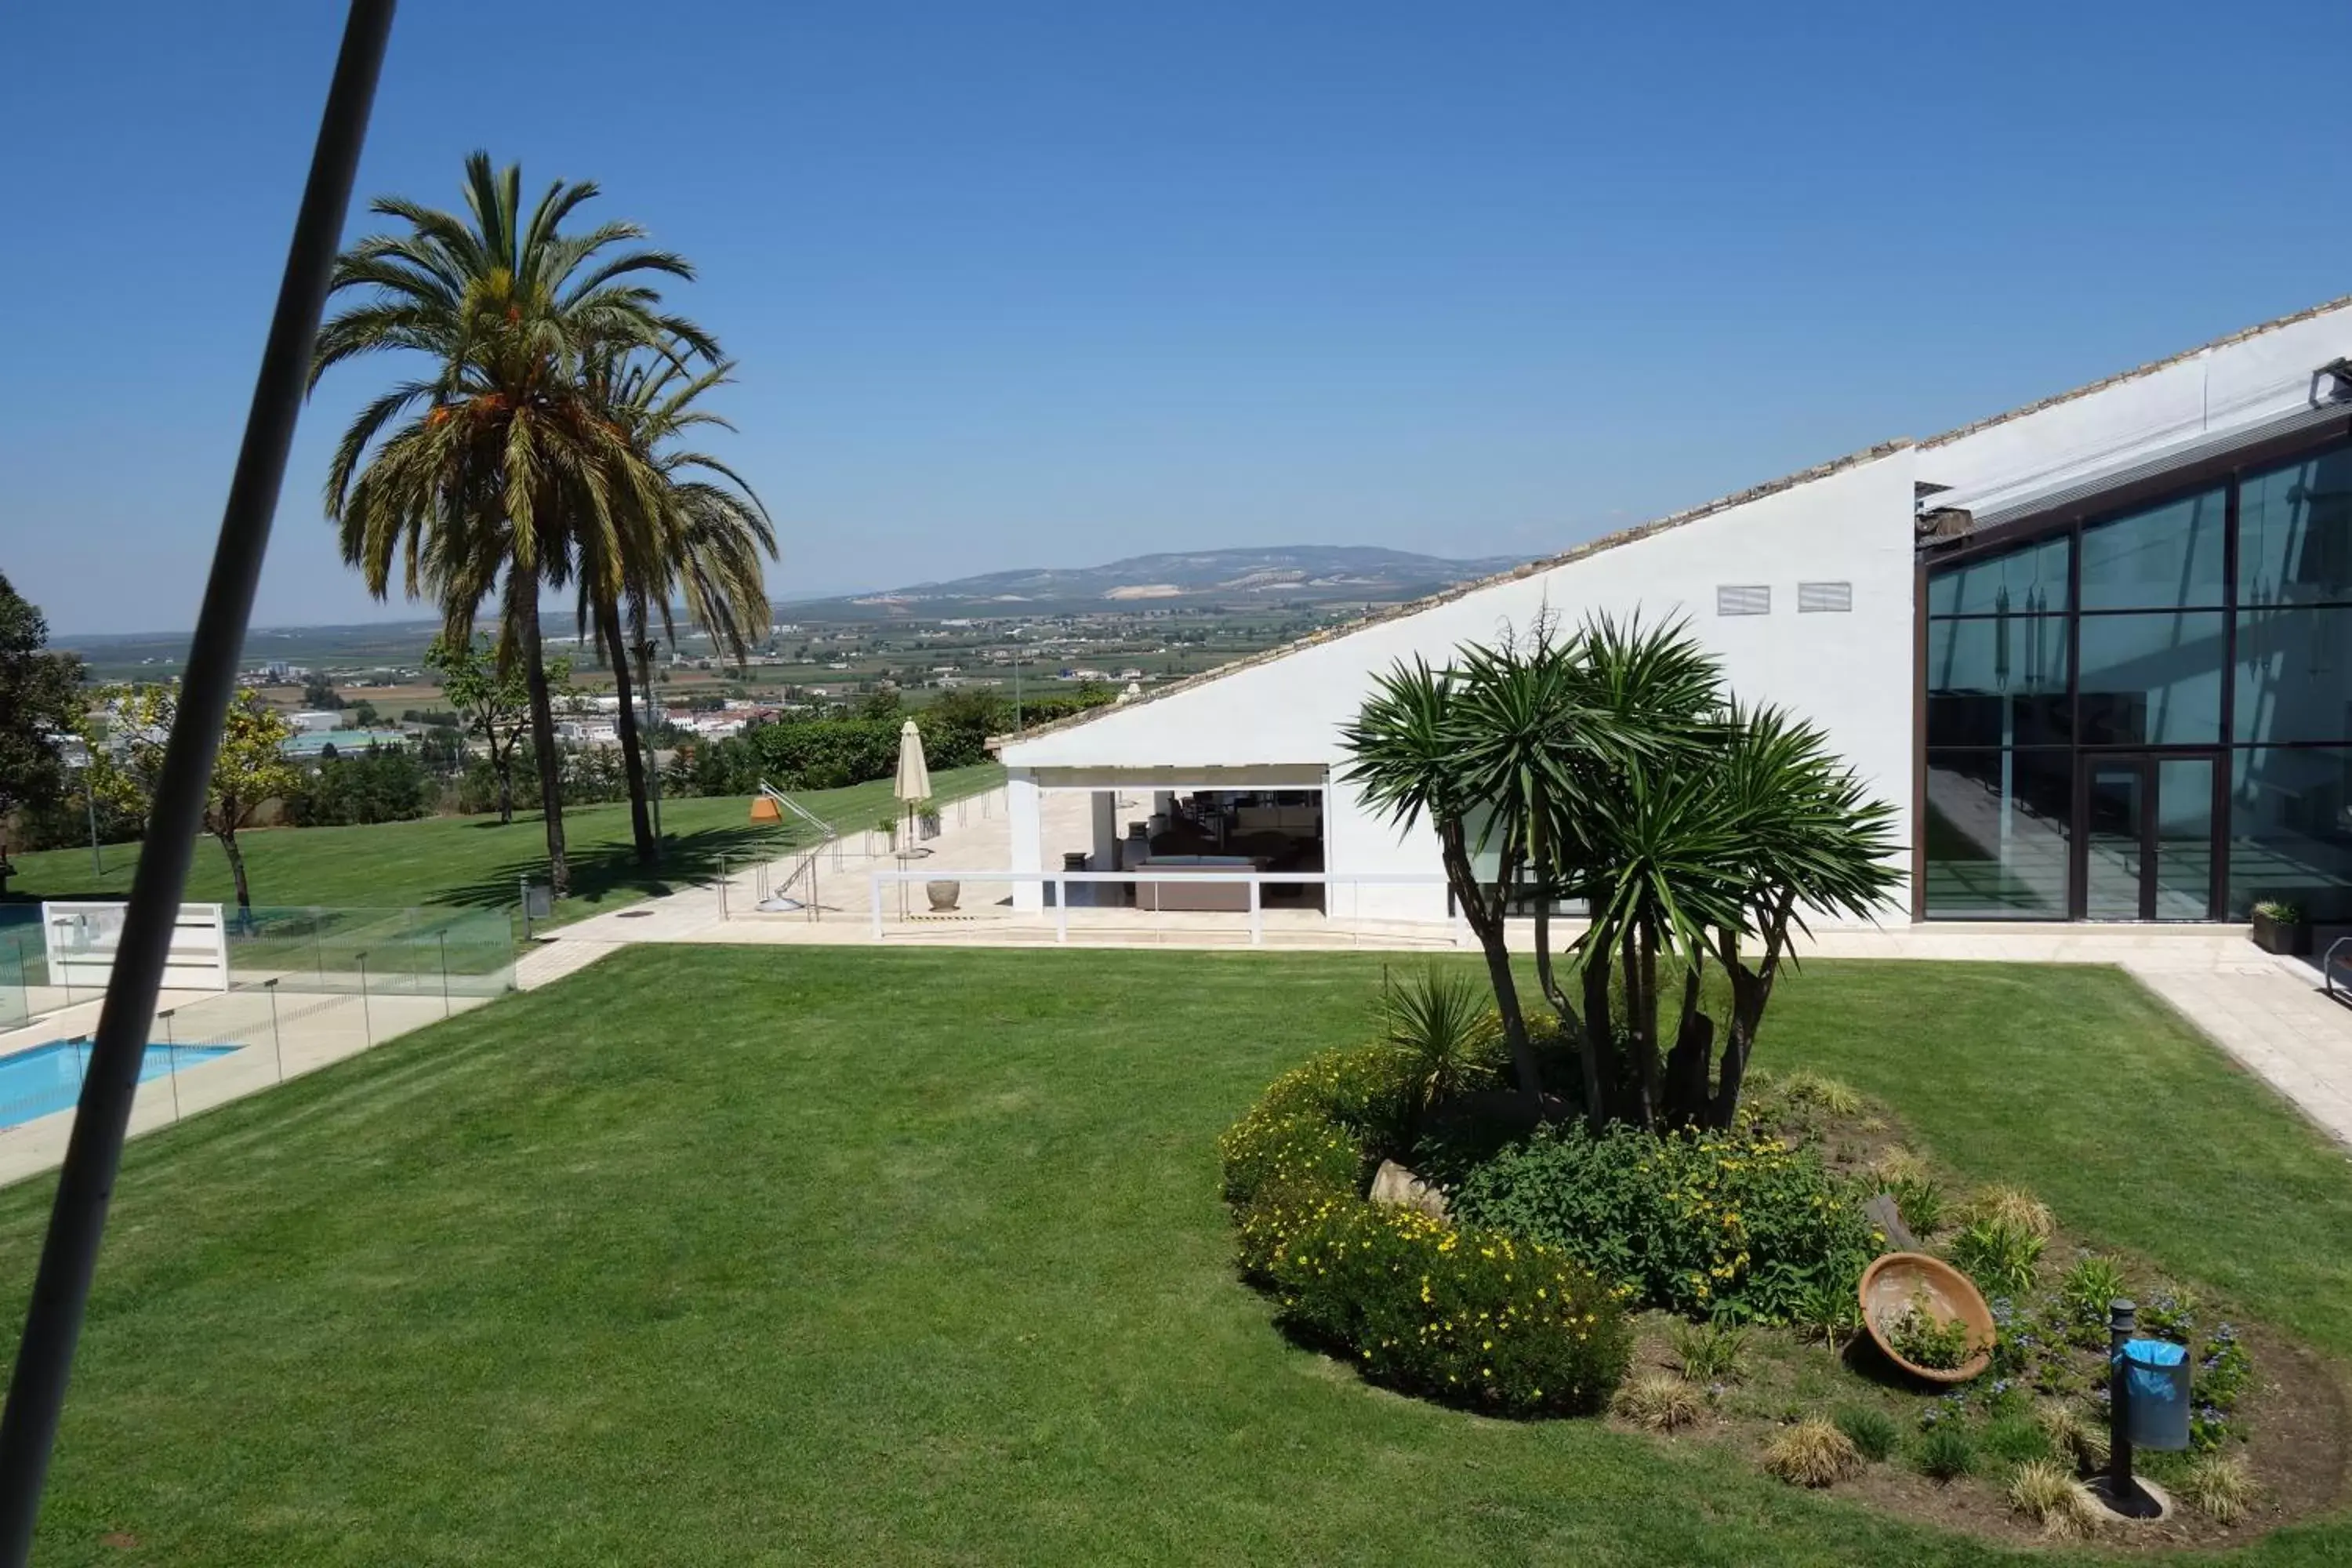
(1895, 1280)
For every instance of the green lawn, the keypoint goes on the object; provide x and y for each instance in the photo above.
(793, 1255)
(476, 860)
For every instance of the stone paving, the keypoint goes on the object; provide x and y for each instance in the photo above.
(308, 1031)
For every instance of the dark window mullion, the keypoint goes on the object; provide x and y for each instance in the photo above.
(2217, 890)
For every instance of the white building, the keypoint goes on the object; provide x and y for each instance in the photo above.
(2097, 651)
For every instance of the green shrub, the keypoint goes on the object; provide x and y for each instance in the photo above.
(1469, 1316)
(1944, 1452)
(1830, 1310)
(1923, 1338)
(2087, 1288)
(2015, 1439)
(1920, 1202)
(1872, 1433)
(2001, 1255)
(1711, 1353)
(1730, 1224)
(1443, 1022)
(1327, 1124)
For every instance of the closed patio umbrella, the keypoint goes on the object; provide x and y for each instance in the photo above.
(914, 783)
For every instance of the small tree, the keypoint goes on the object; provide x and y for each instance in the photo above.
(251, 766)
(493, 704)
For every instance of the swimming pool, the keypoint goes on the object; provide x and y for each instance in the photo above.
(49, 1078)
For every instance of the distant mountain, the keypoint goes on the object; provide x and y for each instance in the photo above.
(1198, 579)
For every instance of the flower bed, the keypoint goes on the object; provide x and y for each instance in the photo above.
(1460, 1313)
(1726, 1225)
(1740, 1251)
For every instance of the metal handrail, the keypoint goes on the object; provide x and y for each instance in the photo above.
(804, 866)
(2327, 968)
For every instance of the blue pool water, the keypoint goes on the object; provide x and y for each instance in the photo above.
(49, 1078)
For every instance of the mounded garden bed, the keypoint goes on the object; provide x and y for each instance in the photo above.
(1699, 1287)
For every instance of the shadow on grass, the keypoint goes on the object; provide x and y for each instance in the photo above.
(602, 871)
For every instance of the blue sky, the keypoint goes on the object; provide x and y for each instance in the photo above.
(1048, 284)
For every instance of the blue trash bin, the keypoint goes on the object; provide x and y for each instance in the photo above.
(2156, 1395)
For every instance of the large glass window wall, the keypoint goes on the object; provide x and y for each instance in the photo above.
(2147, 714)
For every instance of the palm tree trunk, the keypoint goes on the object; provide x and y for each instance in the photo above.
(608, 616)
(523, 594)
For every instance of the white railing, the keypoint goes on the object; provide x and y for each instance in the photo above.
(1175, 876)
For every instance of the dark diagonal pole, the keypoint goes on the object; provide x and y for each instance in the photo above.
(86, 1184)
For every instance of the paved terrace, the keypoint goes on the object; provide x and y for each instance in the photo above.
(308, 1031)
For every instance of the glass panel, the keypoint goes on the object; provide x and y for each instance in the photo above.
(2111, 840)
(2184, 838)
(2294, 676)
(2024, 581)
(1996, 833)
(2294, 532)
(2151, 680)
(2156, 559)
(2291, 830)
(1997, 682)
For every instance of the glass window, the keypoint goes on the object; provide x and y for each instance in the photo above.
(2025, 580)
(1996, 833)
(2294, 532)
(1997, 682)
(2151, 680)
(2291, 830)
(2168, 555)
(2294, 676)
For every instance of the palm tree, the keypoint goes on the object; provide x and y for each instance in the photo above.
(495, 471)
(695, 532)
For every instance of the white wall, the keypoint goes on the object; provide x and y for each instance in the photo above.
(2212, 390)
(1851, 673)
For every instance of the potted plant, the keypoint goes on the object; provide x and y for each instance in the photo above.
(888, 828)
(2280, 927)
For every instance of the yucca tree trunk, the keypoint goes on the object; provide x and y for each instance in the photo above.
(524, 595)
(608, 616)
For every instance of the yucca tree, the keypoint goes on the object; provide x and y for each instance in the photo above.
(1406, 745)
(1609, 766)
(695, 531)
(495, 470)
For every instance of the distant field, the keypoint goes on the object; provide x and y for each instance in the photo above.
(473, 861)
